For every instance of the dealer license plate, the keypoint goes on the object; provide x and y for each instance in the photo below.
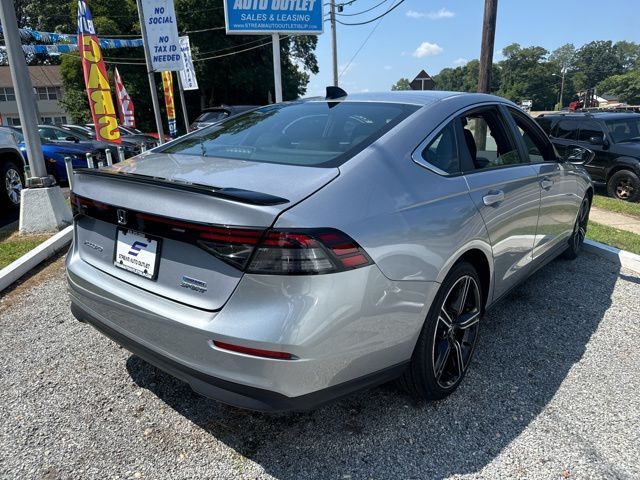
(137, 253)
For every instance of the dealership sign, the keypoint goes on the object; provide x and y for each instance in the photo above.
(162, 35)
(188, 73)
(271, 16)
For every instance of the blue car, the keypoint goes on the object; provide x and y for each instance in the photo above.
(54, 154)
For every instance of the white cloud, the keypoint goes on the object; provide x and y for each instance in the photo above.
(440, 14)
(388, 67)
(460, 61)
(427, 49)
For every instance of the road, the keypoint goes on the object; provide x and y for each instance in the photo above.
(552, 393)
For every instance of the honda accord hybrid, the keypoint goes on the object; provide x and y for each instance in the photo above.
(301, 251)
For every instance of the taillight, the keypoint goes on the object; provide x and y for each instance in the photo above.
(307, 252)
(273, 252)
(256, 352)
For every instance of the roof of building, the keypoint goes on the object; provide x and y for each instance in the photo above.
(41, 76)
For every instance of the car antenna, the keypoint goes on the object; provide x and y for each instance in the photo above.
(333, 93)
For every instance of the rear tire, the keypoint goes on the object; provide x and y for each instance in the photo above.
(624, 185)
(447, 341)
(576, 240)
(11, 184)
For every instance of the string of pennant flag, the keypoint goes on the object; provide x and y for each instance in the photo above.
(65, 42)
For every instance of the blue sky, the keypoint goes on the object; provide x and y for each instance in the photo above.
(432, 35)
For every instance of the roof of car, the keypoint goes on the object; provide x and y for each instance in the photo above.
(415, 97)
(600, 115)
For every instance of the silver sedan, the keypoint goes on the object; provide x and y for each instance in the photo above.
(301, 251)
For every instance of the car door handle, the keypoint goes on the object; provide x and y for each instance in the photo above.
(493, 197)
(546, 183)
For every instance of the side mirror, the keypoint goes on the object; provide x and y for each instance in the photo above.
(578, 155)
(595, 140)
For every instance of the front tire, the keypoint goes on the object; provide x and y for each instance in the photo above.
(446, 344)
(11, 186)
(624, 185)
(576, 240)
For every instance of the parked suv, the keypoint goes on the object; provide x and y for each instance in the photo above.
(11, 168)
(615, 139)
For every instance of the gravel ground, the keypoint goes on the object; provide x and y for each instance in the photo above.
(553, 393)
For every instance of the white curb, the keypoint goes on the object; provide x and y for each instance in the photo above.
(621, 257)
(21, 266)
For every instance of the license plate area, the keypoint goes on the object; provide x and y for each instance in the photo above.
(137, 253)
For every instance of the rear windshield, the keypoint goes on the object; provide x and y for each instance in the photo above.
(212, 116)
(319, 134)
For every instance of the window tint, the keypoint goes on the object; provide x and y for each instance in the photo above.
(539, 149)
(545, 123)
(442, 152)
(487, 140)
(624, 129)
(322, 134)
(588, 129)
(565, 129)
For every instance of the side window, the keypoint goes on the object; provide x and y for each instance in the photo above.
(588, 129)
(567, 129)
(47, 133)
(538, 148)
(545, 123)
(442, 152)
(488, 143)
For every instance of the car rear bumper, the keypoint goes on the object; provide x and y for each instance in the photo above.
(358, 335)
(232, 393)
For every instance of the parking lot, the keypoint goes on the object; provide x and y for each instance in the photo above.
(553, 393)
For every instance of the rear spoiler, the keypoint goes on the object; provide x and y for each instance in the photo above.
(234, 194)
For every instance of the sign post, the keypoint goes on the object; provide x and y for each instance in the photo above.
(161, 46)
(273, 17)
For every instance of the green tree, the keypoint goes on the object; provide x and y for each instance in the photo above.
(564, 57)
(526, 75)
(628, 54)
(402, 84)
(626, 86)
(596, 61)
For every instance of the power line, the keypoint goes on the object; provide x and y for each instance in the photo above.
(391, 9)
(364, 11)
(375, 27)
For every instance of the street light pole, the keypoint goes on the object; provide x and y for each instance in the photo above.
(334, 46)
(564, 70)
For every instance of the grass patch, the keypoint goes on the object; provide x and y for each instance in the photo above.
(13, 245)
(612, 236)
(618, 206)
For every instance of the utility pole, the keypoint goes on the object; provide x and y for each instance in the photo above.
(486, 50)
(150, 73)
(334, 46)
(42, 206)
(277, 66)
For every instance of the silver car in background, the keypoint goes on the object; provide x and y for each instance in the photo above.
(301, 251)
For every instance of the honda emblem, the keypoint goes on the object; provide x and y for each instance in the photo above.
(122, 217)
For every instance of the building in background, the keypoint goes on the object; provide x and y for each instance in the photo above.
(47, 83)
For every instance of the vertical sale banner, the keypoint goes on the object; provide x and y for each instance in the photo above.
(125, 104)
(95, 78)
(167, 85)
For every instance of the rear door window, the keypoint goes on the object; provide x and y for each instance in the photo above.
(567, 129)
(487, 140)
(588, 129)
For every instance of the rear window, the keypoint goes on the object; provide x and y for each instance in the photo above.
(212, 116)
(319, 134)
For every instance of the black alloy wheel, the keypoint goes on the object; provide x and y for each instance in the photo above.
(446, 344)
(579, 230)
